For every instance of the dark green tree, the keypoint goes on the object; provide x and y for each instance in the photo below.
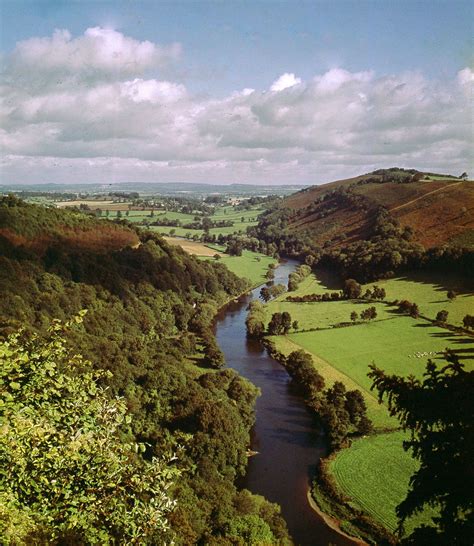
(352, 289)
(275, 325)
(285, 322)
(442, 316)
(442, 440)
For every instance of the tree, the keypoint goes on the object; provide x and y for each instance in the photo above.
(285, 322)
(442, 316)
(451, 295)
(270, 275)
(352, 289)
(265, 294)
(295, 325)
(68, 473)
(275, 325)
(463, 176)
(234, 248)
(354, 316)
(468, 321)
(442, 435)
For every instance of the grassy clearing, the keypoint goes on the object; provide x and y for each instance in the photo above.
(250, 265)
(391, 341)
(391, 344)
(378, 413)
(374, 472)
(430, 293)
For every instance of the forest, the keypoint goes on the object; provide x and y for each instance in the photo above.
(145, 310)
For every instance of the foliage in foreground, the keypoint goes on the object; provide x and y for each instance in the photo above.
(438, 412)
(67, 476)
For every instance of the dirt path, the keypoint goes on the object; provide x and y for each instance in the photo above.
(447, 187)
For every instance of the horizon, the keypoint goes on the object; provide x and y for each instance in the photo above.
(236, 93)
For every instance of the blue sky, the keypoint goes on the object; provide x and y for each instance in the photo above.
(231, 44)
(225, 47)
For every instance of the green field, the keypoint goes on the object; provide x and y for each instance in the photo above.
(391, 341)
(430, 293)
(250, 265)
(249, 218)
(374, 472)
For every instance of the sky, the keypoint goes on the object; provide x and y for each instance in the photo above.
(260, 92)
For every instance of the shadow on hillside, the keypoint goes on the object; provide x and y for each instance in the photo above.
(329, 279)
(442, 282)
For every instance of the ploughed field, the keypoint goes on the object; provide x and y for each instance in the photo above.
(375, 471)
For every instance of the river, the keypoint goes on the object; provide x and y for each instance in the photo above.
(288, 441)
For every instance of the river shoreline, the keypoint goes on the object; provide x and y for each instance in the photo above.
(285, 435)
(332, 522)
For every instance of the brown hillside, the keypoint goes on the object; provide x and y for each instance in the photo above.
(440, 211)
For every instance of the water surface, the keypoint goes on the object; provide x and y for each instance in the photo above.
(288, 441)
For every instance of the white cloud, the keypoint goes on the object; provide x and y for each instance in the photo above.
(110, 117)
(284, 82)
(99, 54)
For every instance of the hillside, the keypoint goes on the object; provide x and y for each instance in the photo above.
(439, 209)
(148, 309)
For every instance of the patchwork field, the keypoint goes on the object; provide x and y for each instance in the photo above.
(241, 221)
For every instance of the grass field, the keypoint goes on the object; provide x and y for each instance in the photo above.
(251, 265)
(391, 341)
(249, 218)
(374, 472)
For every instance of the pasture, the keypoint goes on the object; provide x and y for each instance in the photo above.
(250, 265)
(374, 472)
(392, 341)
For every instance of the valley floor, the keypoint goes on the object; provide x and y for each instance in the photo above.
(374, 472)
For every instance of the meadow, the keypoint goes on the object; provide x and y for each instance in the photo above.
(381, 480)
(241, 220)
(251, 265)
(374, 472)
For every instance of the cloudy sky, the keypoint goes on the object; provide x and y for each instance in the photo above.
(221, 92)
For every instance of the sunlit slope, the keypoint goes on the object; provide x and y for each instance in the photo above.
(439, 208)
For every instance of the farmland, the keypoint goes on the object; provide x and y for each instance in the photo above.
(396, 343)
(250, 265)
(381, 480)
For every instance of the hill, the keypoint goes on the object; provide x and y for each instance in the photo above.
(438, 209)
(149, 314)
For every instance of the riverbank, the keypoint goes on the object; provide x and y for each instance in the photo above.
(288, 440)
(328, 499)
(332, 522)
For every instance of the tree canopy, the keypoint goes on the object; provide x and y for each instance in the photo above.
(437, 411)
(67, 472)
